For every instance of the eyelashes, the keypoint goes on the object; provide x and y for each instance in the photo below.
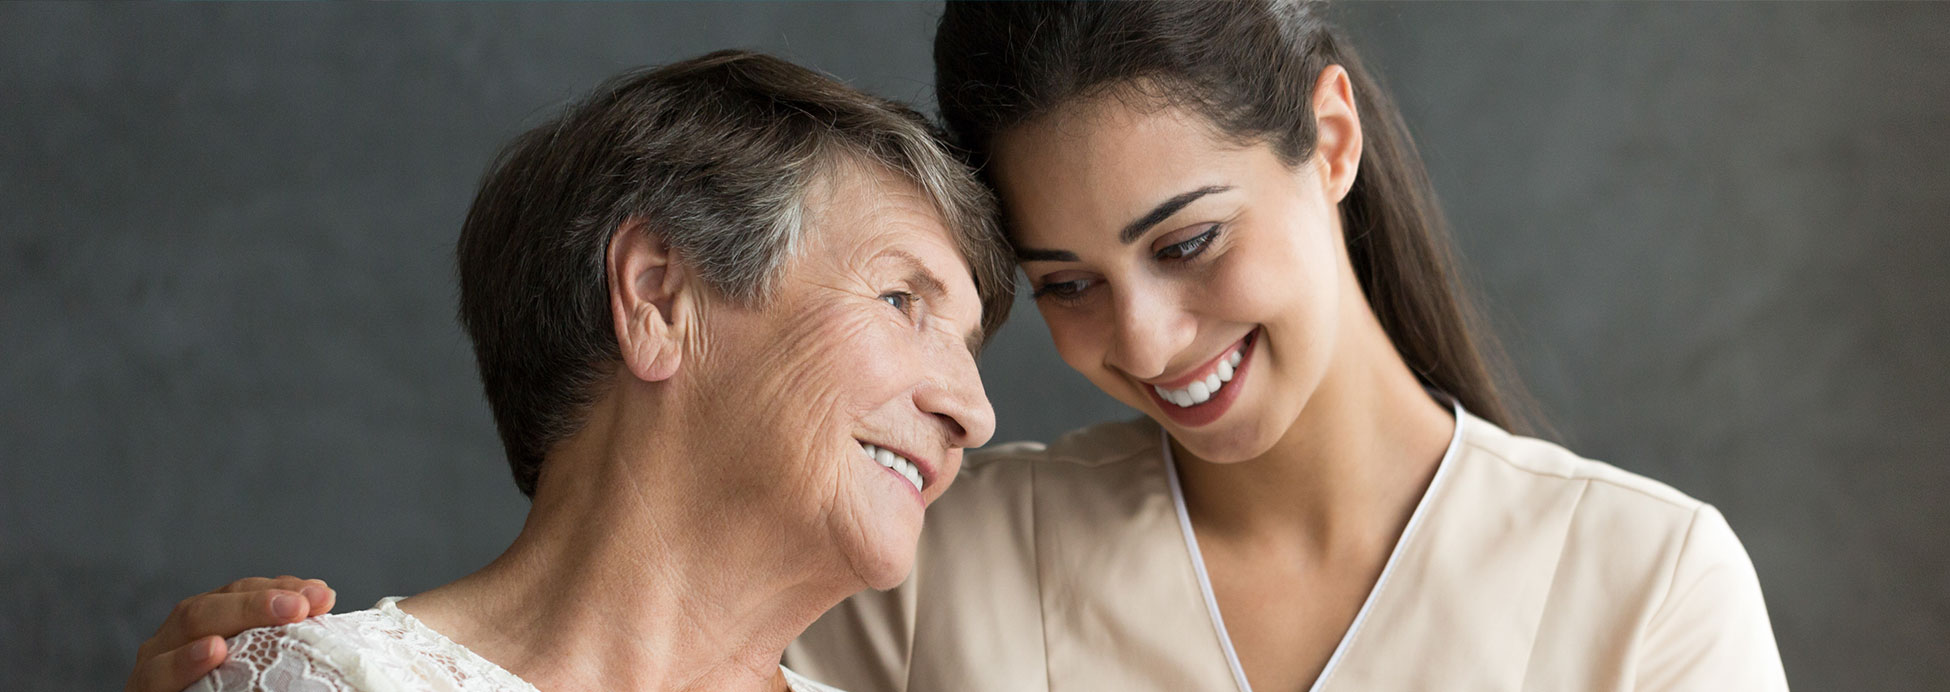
(1063, 290)
(1182, 251)
(903, 301)
(1189, 247)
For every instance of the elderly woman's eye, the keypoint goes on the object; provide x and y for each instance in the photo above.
(901, 300)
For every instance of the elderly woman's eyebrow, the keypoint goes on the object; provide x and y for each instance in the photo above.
(919, 279)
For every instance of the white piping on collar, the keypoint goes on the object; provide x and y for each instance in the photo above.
(1394, 555)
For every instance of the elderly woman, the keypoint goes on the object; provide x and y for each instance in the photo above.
(634, 276)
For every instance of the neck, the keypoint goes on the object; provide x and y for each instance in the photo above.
(627, 577)
(1346, 475)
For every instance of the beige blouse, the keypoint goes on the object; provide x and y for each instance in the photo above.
(1071, 567)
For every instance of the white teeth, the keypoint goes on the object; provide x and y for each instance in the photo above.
(1201, 391)
(899, 464)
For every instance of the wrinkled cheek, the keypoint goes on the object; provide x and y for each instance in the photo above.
(822, 371)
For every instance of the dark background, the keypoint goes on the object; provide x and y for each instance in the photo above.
(1711, 234)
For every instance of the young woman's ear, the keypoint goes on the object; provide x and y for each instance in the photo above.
(647, 288)
(1337, 128)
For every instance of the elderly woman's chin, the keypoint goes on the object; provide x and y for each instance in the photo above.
(883, 533)
(886, 566)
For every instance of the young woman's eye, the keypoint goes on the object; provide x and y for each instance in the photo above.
(901, 300)
(1189, 247)
(1063, 290)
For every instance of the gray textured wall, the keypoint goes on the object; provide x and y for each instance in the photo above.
(1712, 235)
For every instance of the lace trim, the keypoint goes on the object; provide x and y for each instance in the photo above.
(383, 649)
(378, 650)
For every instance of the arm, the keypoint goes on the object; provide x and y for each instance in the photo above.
(190, 642)
(1712, 631)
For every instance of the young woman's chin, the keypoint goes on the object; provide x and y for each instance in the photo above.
(1263, 410)
(1229, 442)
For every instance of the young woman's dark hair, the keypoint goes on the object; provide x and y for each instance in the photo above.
(1248, 66)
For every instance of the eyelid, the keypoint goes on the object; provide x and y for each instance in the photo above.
(1184, 234)
(911, 299)
(1046, 287)
(1045, 291)
(1058, 277)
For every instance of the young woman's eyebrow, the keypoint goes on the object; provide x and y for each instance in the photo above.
(1164, 211)
(1030, 254)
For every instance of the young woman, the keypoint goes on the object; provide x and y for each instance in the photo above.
(1228, 228)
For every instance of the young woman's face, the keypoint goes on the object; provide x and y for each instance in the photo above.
(1195, 279)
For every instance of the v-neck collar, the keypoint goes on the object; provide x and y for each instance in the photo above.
(1394, 555)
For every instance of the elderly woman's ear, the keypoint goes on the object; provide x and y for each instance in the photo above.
(649, 294)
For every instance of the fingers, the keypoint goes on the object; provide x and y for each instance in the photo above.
(190, 642)
(241, 605)
(228, 614)
(321, 597)
(178, 668)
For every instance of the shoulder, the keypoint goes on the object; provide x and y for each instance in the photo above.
(1667, 563)
(1094, 447)
(322, 653)
(1106, 460)
(1538, 472)
(380, 649)
(1604, 524)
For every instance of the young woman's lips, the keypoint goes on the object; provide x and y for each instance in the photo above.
(1220, 401)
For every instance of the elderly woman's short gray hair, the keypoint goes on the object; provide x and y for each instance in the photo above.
(716, 154)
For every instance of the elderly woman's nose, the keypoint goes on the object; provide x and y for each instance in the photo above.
(956, 399)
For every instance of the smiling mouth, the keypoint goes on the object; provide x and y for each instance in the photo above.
(1201, 388)
(895, 462)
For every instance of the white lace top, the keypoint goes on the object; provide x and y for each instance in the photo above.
(378, 650)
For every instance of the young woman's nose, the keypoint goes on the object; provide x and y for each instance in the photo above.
(1147, 331)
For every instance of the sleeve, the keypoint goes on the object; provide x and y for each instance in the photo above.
(1711, 632)
(269, 660)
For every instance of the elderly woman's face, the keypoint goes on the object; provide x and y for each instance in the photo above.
(847, 400)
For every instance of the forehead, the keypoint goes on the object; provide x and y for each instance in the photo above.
(859, 215)
(1101, 162)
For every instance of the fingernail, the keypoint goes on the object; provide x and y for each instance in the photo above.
(201, 650)
(287, 607)
(315, 594)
